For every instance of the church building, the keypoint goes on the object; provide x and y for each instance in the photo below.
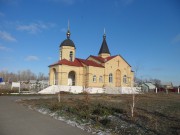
(95, 71)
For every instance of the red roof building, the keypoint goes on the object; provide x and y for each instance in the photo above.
(95, 71)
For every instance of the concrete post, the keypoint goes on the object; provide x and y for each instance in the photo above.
(156, 90)
(59, 97)
(166, 91)
(19, 88)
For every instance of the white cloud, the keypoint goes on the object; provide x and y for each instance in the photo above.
(35, 27)
(176, 39)
(7, 36)
(3, 48)
(31, 28)
(31, 58)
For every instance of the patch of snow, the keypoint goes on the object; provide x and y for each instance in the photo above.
(43, 110)
(86, 126)
(92, 90)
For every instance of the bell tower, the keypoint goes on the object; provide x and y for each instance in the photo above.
(67, 47)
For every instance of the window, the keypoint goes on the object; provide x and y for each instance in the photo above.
(124, 79)
(110, 78)
(94, 78)
(71, 56)
(60, 55)
(100, 79)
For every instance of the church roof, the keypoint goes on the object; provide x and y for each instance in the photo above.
(69, 63)
(102, 60)
(90, 63)
(77, 63)
(67, 42)
(104, 47)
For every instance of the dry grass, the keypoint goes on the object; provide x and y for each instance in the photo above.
(8, 91)
(154, 113)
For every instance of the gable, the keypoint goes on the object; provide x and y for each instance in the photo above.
(124, 60)
(120, 59)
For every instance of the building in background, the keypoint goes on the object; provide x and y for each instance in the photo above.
(148, 87)
(167, 85)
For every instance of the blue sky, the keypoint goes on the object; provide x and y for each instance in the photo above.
(145, 32)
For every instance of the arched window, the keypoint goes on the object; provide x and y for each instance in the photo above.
(71, 56)
(110, 78)
(60, 55)
(100, 79)
(124, 79)
(55, 78)
(72, 78)
(94, 78)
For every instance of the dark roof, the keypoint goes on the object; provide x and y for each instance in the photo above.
(67, 42)
(104, 47)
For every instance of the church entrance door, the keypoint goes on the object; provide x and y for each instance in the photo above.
(71, 78)
(118, 78)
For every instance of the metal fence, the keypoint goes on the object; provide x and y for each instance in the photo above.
(32, 87)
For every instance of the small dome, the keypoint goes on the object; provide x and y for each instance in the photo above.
(67, 42)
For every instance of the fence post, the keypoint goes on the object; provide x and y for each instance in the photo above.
(59, 97)
(19, 88)
(156, 90)
(178, 90)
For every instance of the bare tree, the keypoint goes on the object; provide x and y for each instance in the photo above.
(41, 76)
(132, 105)
(23, 75)
(156, 82)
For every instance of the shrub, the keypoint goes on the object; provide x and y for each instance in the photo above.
(105, 121)
(54, 106)
(101, 110)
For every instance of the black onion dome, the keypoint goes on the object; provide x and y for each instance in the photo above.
(67, 42)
